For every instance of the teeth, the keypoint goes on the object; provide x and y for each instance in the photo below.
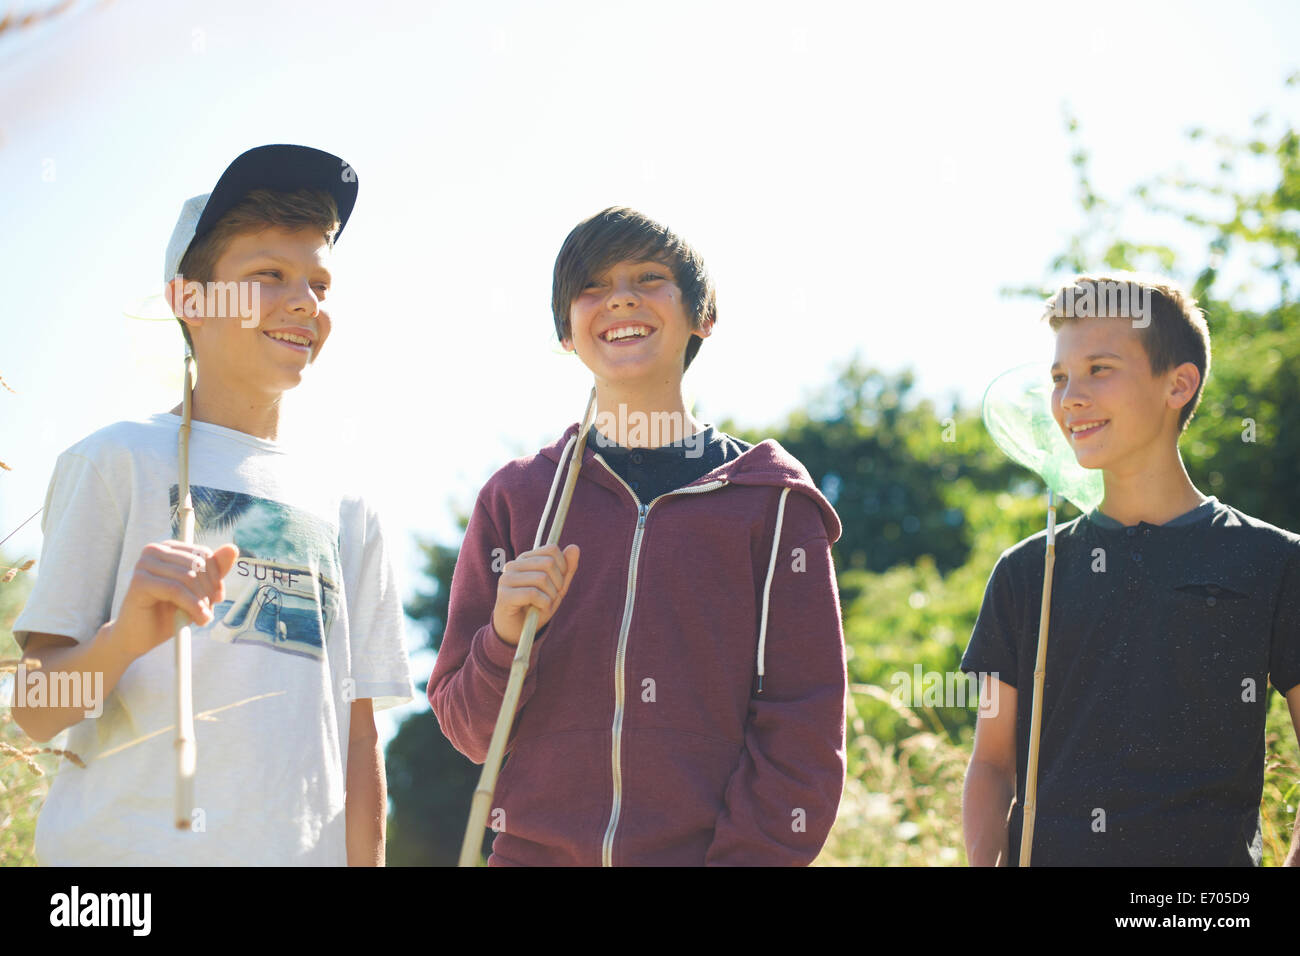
(1075, 429)
(626, 332)
(288, 337)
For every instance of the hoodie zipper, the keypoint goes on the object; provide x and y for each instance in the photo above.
(620, 659)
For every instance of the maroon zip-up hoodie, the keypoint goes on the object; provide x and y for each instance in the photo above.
(641, 737)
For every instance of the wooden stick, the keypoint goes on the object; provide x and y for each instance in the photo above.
(1040, 671)
(470, 849)
(186, 752)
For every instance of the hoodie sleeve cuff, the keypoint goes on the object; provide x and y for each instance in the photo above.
(496, 652)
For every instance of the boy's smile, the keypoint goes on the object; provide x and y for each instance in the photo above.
(630, 323)
(1106, 401)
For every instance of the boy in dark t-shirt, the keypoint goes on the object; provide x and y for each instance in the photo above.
(1171, 613)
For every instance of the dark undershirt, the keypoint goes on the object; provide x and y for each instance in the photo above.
(651, 472)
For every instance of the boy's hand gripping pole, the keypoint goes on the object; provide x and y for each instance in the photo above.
(186, 754)
(487, 781)
(1040, 670)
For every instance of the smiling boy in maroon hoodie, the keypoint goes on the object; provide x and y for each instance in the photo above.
(684, 704)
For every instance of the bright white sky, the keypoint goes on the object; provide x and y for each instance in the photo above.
(860, 178)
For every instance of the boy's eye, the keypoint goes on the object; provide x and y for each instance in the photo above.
(273, 273)
(1102, 367)
(650, 275)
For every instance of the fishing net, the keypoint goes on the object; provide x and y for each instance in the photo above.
(1018, 415)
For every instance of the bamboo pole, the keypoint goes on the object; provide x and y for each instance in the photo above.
(487, 781)
(1040, 671)
(186, 752)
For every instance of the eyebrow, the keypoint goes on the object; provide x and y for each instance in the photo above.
(639, 263)
(274, 257)
(1093, 357)
(636, 264)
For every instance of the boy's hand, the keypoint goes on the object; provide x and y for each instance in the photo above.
(538, 578)
(171, 576)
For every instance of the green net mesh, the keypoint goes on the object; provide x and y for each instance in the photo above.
(1018, 415)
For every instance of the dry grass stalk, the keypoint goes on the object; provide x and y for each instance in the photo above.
(20, 526)
(26, 755)
(67, 755)
(186, 750)
(11, 573)
(482, 802)
(879, 693)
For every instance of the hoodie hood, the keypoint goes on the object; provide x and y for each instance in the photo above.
(766, 463)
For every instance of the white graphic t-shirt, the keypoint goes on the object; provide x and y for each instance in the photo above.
(312, 620)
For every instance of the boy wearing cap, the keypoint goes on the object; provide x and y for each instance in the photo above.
(1171, 614)
(684, 704)
(297, 621)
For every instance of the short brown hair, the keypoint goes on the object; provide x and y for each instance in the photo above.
(259, 209)
(618, 234)
(1177, 332)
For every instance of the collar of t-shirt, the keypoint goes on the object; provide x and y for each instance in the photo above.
(651, 472)
(1202, 512)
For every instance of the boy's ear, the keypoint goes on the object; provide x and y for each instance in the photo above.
(186, 300)
(1183, 384)
(705, 329)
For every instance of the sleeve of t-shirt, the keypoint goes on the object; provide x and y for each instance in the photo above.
(379, 666)
(994, 641)
(1284, 659)
(83, 525)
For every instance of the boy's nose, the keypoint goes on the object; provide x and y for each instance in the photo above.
(1072, 396)
(302, 298)
(622, 298)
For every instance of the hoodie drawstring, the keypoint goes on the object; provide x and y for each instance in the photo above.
(767, 586)
(550, 497)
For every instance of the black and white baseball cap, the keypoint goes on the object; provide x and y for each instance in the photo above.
(281, 167)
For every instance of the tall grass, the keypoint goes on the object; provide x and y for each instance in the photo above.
(25, 768)
(902, 802)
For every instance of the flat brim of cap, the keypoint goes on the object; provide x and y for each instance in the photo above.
(283, 168)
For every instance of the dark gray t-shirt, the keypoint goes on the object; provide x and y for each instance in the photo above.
(651, 472)
(1163, 641)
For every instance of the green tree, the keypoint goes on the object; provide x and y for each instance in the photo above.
(429, 782)
(1244, 443)
(898, 471)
